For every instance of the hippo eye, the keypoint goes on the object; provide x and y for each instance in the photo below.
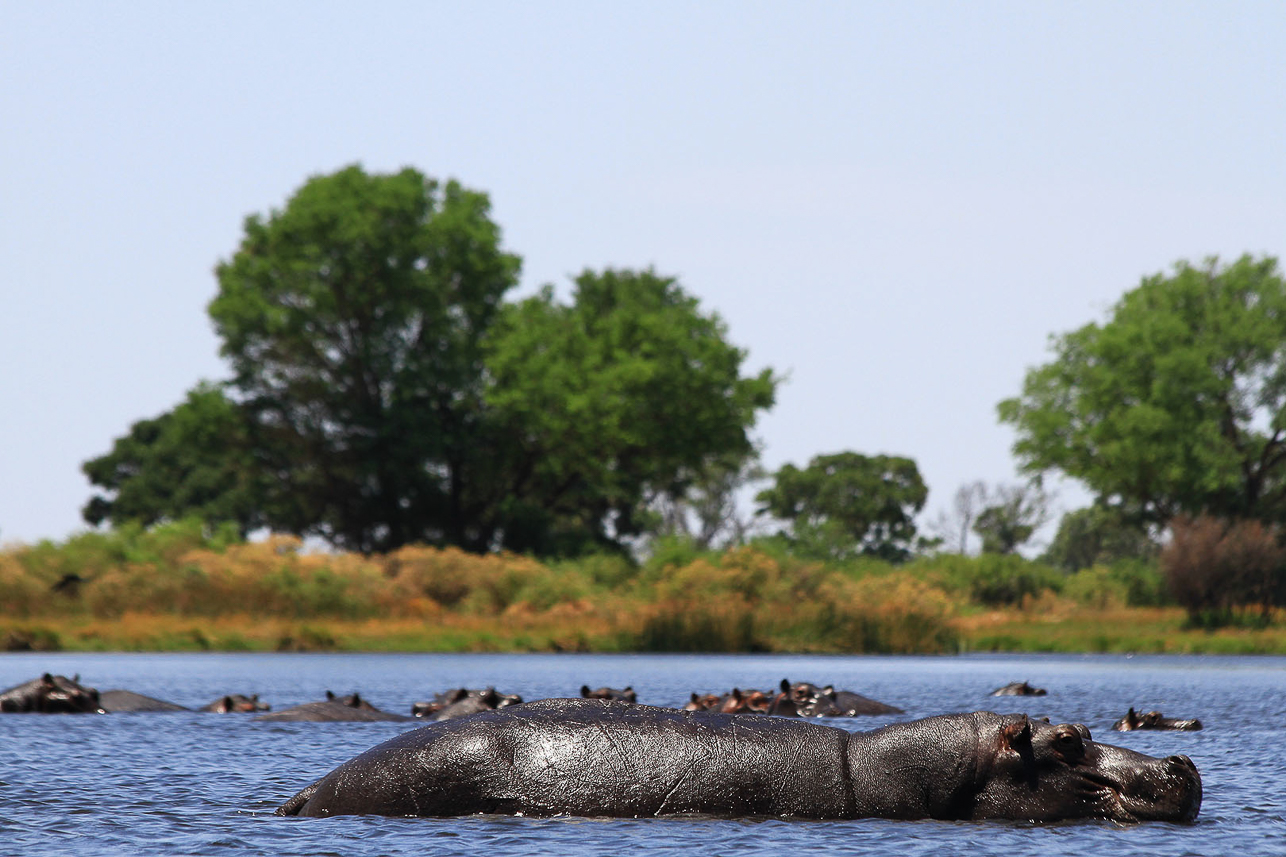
(1068, 743)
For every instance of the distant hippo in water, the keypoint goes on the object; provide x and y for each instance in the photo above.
(1154, 720)
(1018, 688)
(735, 701)
(462, 702)
(128, 702)
(51, 694)
(626, 694)
(804, 699)
(593, 758)
(236, 703)
(334, 709)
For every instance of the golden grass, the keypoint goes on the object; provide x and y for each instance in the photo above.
(176, 589)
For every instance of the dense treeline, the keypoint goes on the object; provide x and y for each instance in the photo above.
(387, 398)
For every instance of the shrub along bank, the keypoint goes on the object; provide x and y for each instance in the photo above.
(183, 587)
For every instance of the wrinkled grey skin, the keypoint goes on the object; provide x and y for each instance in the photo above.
(596, 758)
(1155, 720)
(625, 694)
(51, 694)
(462, 702)
(236, 703)
(127, 701)
(350, 708)
(803, 699)
(1018, 688)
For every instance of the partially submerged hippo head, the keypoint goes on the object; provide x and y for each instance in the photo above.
(1019, 688)
(237, 703)
(1045, 772)
(352, 700)
(625, 694)
(51, 694)
(1155, 720)
(462, 702)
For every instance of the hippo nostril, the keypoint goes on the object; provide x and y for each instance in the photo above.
(1184, 761)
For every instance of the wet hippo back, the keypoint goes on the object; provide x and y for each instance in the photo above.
(595, 758)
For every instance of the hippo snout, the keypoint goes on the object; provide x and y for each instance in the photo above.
(1181, 762)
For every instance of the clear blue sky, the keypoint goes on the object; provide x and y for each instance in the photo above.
(894, 203)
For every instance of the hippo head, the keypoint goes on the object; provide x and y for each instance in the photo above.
(494, 699)
(57, 694)
(1030, 769)
(1154, 720)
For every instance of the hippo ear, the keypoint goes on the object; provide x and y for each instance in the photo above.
(1016, 734)
(357, 699)
(695, 698)
(458, 694)
(229, 703)
(491, 697)
(736, 694)
(1131, 718)
(785, 686)
(47, 679)
(584, 691)
(330, 696)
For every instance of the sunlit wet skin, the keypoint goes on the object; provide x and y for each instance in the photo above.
(592, 758)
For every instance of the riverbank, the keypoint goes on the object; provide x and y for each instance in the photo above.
(1150, 630)
(182, 588)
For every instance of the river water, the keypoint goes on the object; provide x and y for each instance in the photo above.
(192, 783)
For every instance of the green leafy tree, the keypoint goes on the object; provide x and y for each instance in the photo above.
(193, 461)
(628, 393)
(1097, 536)
(846, 504)
(353, 320)
(387, 393)
(1176, 404)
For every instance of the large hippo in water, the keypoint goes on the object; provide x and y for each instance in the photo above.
(51, 694)
(595, 758)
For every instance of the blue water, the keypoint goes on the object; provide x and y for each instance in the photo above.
(191, 783)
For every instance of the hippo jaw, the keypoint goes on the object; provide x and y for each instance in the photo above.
(1046, 772)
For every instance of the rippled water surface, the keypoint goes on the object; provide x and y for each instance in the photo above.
(191, 783)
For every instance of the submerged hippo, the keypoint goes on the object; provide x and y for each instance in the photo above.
(1154, 720)
(462, 702)
(735, 701)
(236, 703)
(1019, 688)
(127, 701)
(593, 758)
(625, 694)
(334, 709)
(51, 694)
(803, 699)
